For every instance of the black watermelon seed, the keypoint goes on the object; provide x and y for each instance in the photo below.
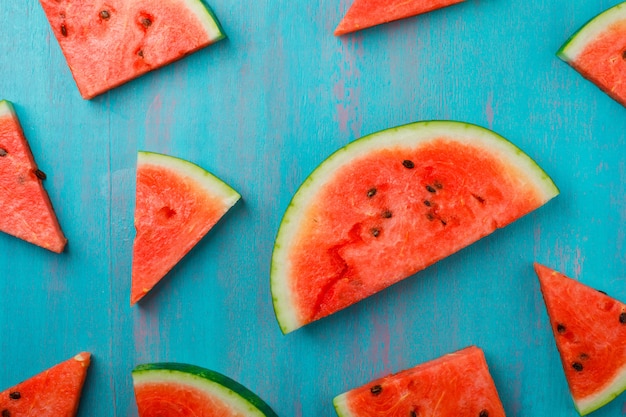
(438, 185)
(105, 14)
(413, 413)
(427, 203)
(430, 189)
(430, 216)
(40, 174)
(479, 198)
(443, 222)
(15, 395)
(371, 192)
(63, 30)
(624, 55)
(386, 214)
(6, 413)
(140, 53)
(560, 328)
(577, 366)
(622, 318)
(3, 152)
(483, 413)
(408, 164)
(583, 356)
(376, 390)
(146, 22)
(375, 232)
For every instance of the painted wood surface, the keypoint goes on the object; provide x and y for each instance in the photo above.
(261, 110)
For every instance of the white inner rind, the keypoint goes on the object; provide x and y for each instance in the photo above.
(407, 136)
(6, 108)
(235, 401)
(613, 389)
(590, 31)
(208, 181)
(341, 405)
(206, 17)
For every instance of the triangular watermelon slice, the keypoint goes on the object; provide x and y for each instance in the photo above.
(109, 43)
(26, 209)
(177, 203)
(367, 13)
(53, 393)
(176, 389)
(590, 333)
(598, 52)
(390, 204)
(454, 385)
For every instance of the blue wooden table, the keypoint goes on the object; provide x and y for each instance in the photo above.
(261, 110)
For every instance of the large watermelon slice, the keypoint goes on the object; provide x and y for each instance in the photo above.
(107, 43)
(391, 204)
(598, 52)
(590, 333)
(52, 393)
(26, 209)
(455, 385)
(367, 13)
(177, 203)
(180, 390)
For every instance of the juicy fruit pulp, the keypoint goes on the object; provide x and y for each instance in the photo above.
(455, 385)
(391, 204)
(590, 333)
(177, 203)
(26, 209)
(108, 44)
(367, 13)
(177, 390)
(598, 52)
(52, 393)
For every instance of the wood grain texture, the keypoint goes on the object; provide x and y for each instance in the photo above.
(260, 110)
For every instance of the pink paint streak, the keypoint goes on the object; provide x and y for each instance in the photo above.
(489, 111)
(348, 89)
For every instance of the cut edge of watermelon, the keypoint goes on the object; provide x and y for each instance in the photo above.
(416, 132)
(577, 42)
(203, 177)
(211, 382)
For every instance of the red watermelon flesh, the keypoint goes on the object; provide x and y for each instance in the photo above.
(598, 52)
(367, 13)
(590, 334)
(455, 385)
(107, 43)
(53, 393)
(26, 209)
(177, 203)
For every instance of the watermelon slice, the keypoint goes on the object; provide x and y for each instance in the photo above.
(598, 52)
(391, 204)
(52, 393)
(177, 203)
(109, 43)
(26, 209)
(367, 13)
(174, 389)
(590, 333)
(455, 385)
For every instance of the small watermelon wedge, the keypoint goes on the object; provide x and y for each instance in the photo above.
(178, 390)
(176, 204)
(26, 209)
(598, 52)
(390, 204)
(53, 393)
(590, 333)
(367, 13)
(454, 385)
(107, 44)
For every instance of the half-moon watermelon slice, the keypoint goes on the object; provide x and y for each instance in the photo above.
(590, 333)
(176, 204)
(390, 204)
(180, 390)
(598, 52)
(53, 393)
(454, 385)
(26, 209)
(107, 43)
(367, 13)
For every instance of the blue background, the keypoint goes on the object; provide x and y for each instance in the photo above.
(261, 110)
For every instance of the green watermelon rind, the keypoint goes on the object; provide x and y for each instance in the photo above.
(589, 404)
(282, 298)
(213, 25)
(213, 383)
(590, 31)
(210, 182)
